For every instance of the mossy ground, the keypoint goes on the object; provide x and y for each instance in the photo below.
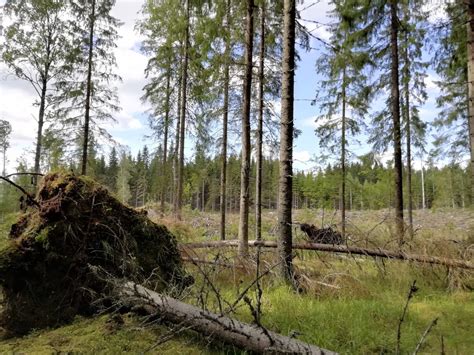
(351, 305)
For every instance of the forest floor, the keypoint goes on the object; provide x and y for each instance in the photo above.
(350, 304)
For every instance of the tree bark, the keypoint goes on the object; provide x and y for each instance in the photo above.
(258, 182)
(250, 337)
(395, 111)
(343, 155)
(470, 80)
(341, 249)
(85, 146)
(39, 134)
(225, 117)
(176, 148)
(245, 167)
(184, 83)
(408, 126)
(164, 171)
(285, 192)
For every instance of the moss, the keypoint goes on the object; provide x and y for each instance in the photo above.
(47, 272)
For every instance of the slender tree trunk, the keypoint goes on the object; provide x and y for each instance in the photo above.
(395, 108)
(258, 183)
(245, 167)
(164, 171)
(39, 134)
(408, 127)
(184, 83)
(470, 80)
(343, 156)
(176, 148)
(286, 141)
(85, 146)
(223, 196)
(423, 197)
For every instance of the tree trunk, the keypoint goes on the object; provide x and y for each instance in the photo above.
(246, 336)
(184, 83)
(470, 80)
(85, 146)
(165, 144)
(258, 182)
(395, 110)
(39, 134)
(463, 264)
(423, 196)
(408, 127)
(286, 141)
(223, 196)
(176, 150)
(343, 156)
(245, 167)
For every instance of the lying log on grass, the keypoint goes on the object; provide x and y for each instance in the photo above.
(222, 328)
(341, 249)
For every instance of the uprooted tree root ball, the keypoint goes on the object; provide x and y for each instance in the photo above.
(48, 272)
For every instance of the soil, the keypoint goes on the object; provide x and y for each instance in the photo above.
(62, 254)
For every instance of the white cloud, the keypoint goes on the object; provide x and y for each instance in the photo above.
(17, 97)
(301, 156)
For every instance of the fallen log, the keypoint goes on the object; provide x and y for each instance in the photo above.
(341, 249)
(228, 330)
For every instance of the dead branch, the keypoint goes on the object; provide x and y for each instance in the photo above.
(225, 329)
(29, 197)
(411, 292)
(425, 334)
(22, 174)
(383, 253)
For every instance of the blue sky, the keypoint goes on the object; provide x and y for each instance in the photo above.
(16, 97)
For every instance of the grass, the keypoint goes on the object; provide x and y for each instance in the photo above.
(349, 304)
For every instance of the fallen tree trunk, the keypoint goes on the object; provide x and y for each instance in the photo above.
(341, 249)
(231, 331)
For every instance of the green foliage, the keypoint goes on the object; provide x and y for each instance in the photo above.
(450, 62)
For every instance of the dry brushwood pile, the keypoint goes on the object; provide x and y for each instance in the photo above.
(60, 250)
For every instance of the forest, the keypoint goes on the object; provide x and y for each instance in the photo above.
(286, 176)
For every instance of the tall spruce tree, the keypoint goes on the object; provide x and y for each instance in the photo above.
(245, 163)
(36, 49)
(379, 26)
(344, 95)
(88, 95)
(413, 88)
(451, 63)
(285, 186)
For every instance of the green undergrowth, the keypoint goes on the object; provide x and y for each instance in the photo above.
(351, 305)
(101, 335)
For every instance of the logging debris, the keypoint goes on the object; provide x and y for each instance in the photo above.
(47, 268)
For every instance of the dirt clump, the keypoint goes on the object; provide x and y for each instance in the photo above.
(322, 235)
(59, 252)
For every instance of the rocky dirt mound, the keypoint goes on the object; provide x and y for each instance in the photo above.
(50, 270)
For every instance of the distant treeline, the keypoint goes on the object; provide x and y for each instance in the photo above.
(137, 181)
